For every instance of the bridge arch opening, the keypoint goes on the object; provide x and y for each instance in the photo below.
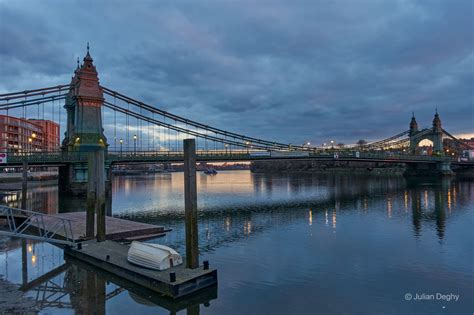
(425, 147)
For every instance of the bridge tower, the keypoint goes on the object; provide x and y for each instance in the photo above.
(84, 102)
(84, 130)
(437, 135)
(434, 134)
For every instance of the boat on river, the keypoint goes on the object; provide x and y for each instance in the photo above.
(153, 256)
(210, 171)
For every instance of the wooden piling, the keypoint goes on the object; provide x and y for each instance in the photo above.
(91, 195)
(96, 195)
(100, 194)
(190, 204)
(24, 185)
(108, 192)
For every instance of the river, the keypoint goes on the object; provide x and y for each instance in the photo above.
(282, 244)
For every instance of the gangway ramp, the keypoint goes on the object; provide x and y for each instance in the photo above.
(69, 228)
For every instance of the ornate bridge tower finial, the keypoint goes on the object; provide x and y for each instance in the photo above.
(413, 125)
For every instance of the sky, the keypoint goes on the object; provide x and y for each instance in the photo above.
(287, 71)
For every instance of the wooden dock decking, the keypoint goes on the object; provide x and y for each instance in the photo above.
(116, 229)
(112, 257)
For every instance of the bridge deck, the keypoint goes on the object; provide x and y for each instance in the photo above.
(116, 229)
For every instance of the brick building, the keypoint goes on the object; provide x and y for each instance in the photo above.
(50, 134)
(27, 135)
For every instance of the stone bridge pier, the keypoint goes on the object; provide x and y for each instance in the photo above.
(438, 169)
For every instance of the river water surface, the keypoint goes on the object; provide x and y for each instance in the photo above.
(282, 244)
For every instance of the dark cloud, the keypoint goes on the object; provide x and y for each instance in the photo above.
(341, 70)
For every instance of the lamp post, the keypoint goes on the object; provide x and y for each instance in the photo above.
(332, 144)
(134, 144)
(247, 144)
(29, 142)
(121, 143)
(226, 146)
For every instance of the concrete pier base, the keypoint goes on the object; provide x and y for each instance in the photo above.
(438, 169)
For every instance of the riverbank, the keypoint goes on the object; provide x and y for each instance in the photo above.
(14, 301)
(329, 167)
(32, 176)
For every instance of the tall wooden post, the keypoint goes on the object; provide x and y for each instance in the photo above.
(190, 204)
(96, 195)
(100, 194)
(108, 192)
(24, 185)
(91, 195)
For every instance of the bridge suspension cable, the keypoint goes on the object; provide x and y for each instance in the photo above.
(457, 140)
(30, 102)
(252, 140)
(179, 129)
(381, 143)
(43, 91)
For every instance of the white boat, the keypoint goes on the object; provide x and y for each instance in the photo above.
(153, 256)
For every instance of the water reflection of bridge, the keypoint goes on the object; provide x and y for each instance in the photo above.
(428, 204)
(70, 285)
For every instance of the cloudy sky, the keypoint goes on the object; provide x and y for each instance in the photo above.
(288, 71)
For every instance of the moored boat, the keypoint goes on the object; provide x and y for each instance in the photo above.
(153, 256)
(210, 171)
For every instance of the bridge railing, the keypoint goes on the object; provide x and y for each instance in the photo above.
(45, 157)
(165, 155)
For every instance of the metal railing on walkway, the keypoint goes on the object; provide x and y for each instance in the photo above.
(37, 226)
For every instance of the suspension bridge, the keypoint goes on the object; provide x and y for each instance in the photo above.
(136, 132)
(143, 133)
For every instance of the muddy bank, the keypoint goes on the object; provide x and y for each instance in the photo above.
(13, 301)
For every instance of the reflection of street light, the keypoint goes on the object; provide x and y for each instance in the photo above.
(121, 143)
(135, 144)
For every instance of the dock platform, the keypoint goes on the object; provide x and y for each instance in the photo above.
(112, 257)
(116, 229)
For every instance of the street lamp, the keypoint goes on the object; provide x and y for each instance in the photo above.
(332, 144)
(226, 146)
(121, 143)
(134, 144)
(247, 144)
(30, 141)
